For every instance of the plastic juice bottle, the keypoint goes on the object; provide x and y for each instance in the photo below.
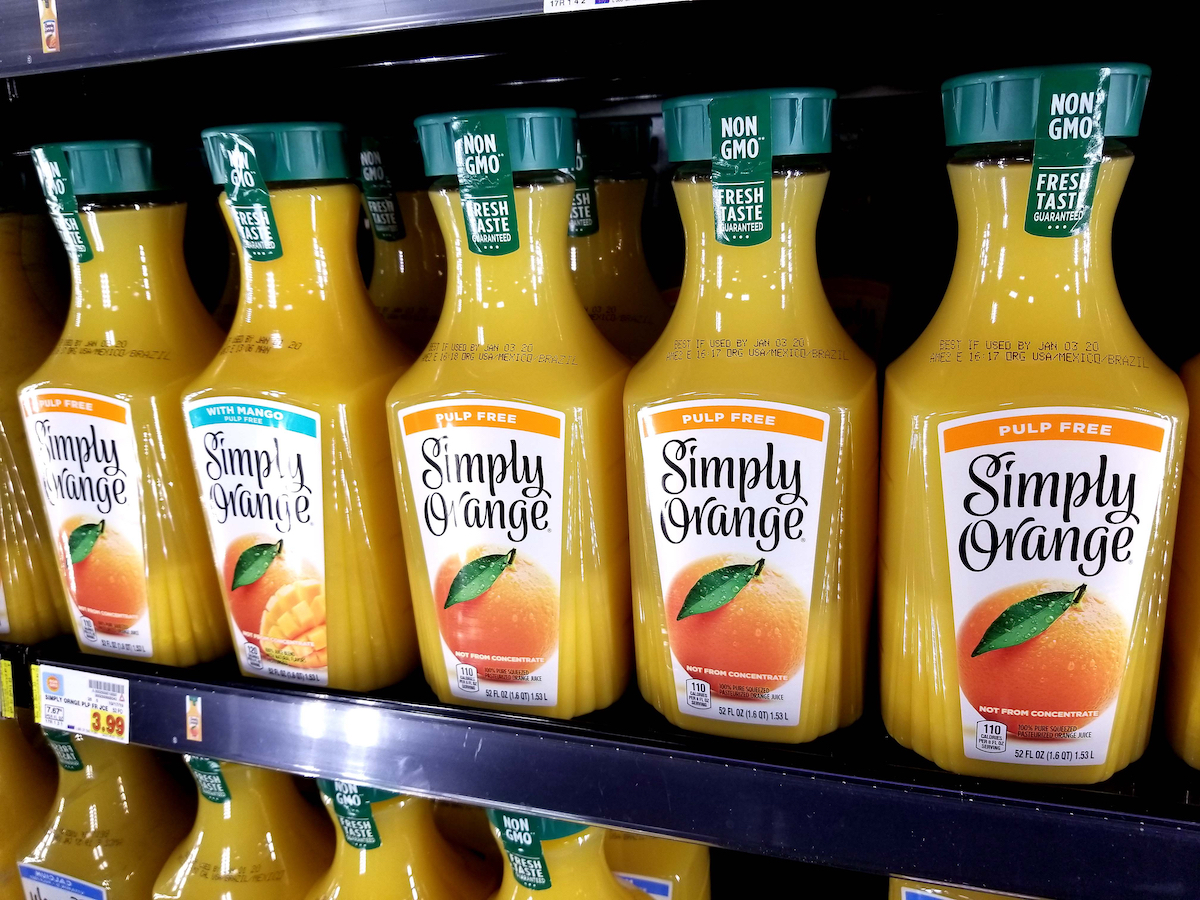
(108, 448)
(617, 290)
(1032, 446)
(511, 475)
(1183, 631)
(255, 838)
(548, 859)
(408, 279)
(390, 849)
(26, 791)
(908, 889)
(32, 607)
(751, 436)
(287, 424)
(116, 817)
(662, 868)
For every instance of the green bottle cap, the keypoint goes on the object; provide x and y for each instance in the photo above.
(799, 122)
(112, 167)
(538, 139)
(991, 107)
(285, 151)
(617, 144)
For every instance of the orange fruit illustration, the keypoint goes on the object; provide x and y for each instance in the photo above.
(109, 584)
(753, 644)
(1074, 666)
(248, 602)
(510, 629)
(295, 618)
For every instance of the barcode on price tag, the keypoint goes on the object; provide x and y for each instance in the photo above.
(84, 702)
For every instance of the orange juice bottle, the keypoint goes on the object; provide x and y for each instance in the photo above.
(611, 173)
(26, 791)
(110, 458)
(116, 817)
(549, 859)
(254, 838)
(511, 475)
(662, 868)
(408, 277)
(390, 849)
(1032, 447)
(287, 424)
(909, 889)
(1183, 649)
(751, 437)
(32, 607)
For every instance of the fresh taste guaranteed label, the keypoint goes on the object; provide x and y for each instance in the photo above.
(487, 482)
(259, 465)
(379, 195)
(249, 199)
(1048, 518)
(352, 806)
(46, 884)
(55, 174)
(741, 168)
(85, 450)
(734, 489)
(585, 217)
(485, 184)
(1068, 148)
(521, 837)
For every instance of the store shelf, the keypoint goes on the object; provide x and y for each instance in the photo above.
(854, 799)
(100, 32)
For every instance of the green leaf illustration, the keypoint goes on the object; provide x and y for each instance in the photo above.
(83, 539)
(1026, 619)
(477, 576)
(253, 564)
(718, 587)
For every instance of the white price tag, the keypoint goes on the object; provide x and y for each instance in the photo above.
(84, 703)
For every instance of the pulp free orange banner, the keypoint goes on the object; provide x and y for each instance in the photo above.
(73, 403)
(1055, 427)
(482, 416)
(754, 418)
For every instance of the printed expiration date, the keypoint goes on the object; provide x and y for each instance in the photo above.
(969, 350)
(750, 348)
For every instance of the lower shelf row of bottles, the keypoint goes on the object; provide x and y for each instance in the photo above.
(120, 823)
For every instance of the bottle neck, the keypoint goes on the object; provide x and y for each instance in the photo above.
(618, 239)
(137, 267)
(533, 278)
(777, 277)
(316, 281)
(1004, 275)
(252, 792)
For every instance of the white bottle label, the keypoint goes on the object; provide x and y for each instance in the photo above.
(734, 490)
(45, 884)
(1049, 513)
(259, 467)
(85, 451)
(487, 481)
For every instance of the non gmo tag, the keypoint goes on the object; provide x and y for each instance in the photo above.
(209, 778)
(741, 168)
(248, 198)
(55, 174)
(585, 218)
(485, 184)
(379, 193)
(1068, 147)
(352, 804)
(64, 750)
(83, 703)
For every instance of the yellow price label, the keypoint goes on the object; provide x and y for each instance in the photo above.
(36, 681)
(7, 707)
(107, 724)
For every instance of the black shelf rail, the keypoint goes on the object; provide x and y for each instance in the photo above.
(853, 799)
(104, 32)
